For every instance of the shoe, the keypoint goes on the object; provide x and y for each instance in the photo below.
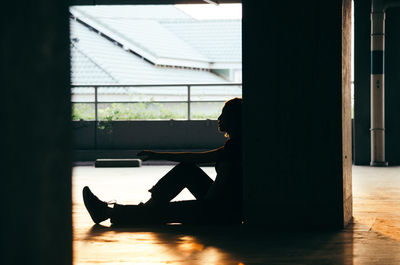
(97, 209)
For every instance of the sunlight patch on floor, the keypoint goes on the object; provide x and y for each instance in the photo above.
(376, 195)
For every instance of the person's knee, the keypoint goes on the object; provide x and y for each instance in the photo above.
(186, 170)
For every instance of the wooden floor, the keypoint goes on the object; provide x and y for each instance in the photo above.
(373, 238)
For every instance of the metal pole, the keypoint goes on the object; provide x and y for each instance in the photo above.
(378, 85)
(378, 14)
(188, 102)
(95, 117)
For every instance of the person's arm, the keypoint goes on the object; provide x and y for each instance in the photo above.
(192, 157)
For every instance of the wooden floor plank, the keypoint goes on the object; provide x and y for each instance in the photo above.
(373, 238)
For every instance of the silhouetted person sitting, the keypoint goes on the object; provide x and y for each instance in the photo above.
(217, 202)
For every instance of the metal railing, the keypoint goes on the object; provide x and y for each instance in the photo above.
(188, 100)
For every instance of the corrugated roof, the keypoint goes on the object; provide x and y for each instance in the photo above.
(120, 65)
(167, 32)
(85, 71)
(153, 37)
(218, 40)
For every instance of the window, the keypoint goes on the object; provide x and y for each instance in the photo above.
(154, 62)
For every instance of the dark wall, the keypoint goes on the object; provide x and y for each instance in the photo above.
(362, 84)
(362, 98)
(36, 161)
(292, 90)
(139, 135)
(392, 90)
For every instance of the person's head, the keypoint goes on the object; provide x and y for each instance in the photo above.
(230, 120)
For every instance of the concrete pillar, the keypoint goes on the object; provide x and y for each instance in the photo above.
(296, 90)
(36, 133)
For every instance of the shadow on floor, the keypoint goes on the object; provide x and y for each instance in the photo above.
(238, 245)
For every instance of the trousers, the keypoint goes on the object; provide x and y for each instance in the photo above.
(160, 209)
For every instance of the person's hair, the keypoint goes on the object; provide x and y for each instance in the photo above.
(233, 112)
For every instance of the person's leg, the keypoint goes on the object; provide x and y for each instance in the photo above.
(191, 212)
(184, 175)
(159, 209)
(156, 210)
(136, 215)
(187, 212)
